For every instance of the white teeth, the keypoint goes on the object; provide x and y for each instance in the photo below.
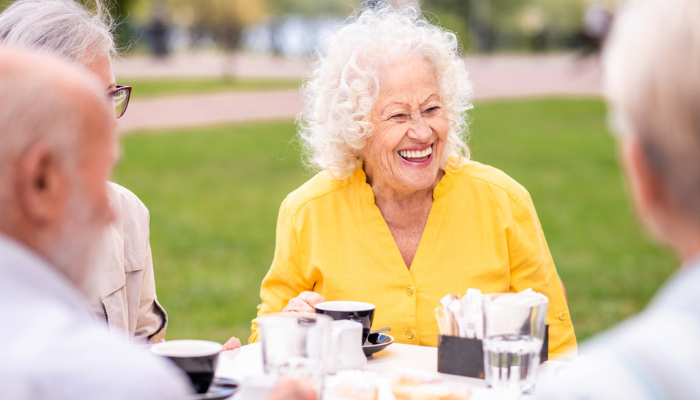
(416, 154)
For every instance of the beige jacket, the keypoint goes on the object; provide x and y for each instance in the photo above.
(126, 283)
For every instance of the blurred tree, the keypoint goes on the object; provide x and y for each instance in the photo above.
(475, 21)
(120, 11)
(452, 15)
(311, 8)
(485, 25)
(223, 19)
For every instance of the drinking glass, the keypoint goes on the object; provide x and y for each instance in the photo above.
(295, 344)
(513, 335)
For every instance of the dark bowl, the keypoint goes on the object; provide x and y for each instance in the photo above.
(197, 358)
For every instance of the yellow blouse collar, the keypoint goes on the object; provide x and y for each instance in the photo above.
(359, 179)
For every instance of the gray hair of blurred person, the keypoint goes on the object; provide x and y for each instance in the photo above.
(343, 87)
(652, 74)
(64, 27)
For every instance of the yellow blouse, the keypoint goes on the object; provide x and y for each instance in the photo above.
(482, 232)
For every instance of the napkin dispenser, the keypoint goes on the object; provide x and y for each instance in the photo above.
(465, 357)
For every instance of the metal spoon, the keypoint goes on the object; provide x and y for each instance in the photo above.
(374, 335)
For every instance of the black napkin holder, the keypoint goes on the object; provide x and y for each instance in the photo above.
(465, 357)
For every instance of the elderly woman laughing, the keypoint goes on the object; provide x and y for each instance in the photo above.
(399, 216)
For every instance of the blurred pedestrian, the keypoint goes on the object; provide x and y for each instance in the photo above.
(597, 21)
(158, 37)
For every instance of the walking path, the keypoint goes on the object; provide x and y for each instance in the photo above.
(494, 77)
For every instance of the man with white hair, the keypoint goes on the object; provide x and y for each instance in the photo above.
(57, 150)
(652, 74)
(125, 298)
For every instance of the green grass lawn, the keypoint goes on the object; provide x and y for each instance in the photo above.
(214, 194)
(163, 87)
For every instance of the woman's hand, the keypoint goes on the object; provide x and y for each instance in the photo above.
(232, 344)
(305, 302)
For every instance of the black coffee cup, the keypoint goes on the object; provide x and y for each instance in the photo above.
(198, 358)
(353, 310)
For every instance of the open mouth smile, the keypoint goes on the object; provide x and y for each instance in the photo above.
(416, 156)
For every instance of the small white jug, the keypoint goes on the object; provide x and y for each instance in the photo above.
(346, 346)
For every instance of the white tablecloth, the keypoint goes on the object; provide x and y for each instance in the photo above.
(242, 363)
(247, 361)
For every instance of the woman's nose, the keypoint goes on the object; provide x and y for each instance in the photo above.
(420, 130)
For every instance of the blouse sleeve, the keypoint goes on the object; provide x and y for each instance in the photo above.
(531, 266)
(284, 281)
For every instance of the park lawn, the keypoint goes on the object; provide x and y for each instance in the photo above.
(214, 194)
(145, 88)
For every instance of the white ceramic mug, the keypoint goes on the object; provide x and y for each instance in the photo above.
(345, 347)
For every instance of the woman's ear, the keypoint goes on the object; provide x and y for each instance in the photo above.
(42, 186)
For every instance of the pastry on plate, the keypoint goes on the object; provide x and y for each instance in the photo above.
(352, 385)
(405, 383)
(441, 391)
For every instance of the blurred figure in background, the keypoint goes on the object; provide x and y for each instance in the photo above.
(158, 35)
(126, 298)
(652, 74)
(57, 150)
(597, 21)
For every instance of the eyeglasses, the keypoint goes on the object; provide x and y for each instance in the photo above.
(120, 96)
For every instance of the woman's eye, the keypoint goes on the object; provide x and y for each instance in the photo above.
(399, 117)
(432, 110)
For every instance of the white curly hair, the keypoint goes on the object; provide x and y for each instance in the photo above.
(343, 87)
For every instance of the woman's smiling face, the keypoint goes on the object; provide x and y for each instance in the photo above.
(409, 130)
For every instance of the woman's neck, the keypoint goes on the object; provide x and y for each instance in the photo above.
(386, 194)
(405, 212)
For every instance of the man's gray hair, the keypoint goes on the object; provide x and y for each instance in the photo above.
(652, 73)
(64, 27)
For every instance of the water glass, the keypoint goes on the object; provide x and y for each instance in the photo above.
(295, 344)
(513, 334)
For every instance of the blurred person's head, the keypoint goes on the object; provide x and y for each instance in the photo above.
(57, 149)
(66, 28)
(340, 126)
(652, 76)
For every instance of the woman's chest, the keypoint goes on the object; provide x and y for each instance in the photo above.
(362, 258)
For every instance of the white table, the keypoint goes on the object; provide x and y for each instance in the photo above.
(247, 361)
(242, 363)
